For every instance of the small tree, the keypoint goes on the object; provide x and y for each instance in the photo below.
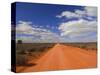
(19, 41)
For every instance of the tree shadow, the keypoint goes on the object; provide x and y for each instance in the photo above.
(27, 64)
(30, 64)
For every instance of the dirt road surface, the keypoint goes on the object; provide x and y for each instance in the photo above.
(62, 57)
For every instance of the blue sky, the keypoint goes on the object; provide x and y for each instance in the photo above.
(53, 23)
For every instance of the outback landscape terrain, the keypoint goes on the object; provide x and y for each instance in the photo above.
(55, 56)
(52, 37)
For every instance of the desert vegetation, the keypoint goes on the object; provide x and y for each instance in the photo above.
(86, 46)
(26, 51)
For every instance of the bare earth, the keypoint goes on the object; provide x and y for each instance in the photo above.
(62, 57)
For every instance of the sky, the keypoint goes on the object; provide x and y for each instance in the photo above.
(50, 23)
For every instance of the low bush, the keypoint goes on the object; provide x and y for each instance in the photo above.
(21, 60)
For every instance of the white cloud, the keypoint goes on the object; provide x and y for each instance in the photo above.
(79, 29)
(68, 14)
(80, 12)
(38, 34)
(70, 32)
(27, 28)
(88, 11)
(24, 28)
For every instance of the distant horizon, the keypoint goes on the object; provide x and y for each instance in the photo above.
(51, 23)
(57, 42)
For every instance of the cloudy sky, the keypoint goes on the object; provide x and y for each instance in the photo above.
(55, 23)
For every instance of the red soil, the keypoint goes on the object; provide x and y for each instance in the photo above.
(62, 57)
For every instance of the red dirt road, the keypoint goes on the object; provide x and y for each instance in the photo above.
(62, 57)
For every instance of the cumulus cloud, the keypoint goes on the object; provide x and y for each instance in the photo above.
(38, 34)
(68, 14)
(24, 28)
(82, 29)
(27, 28)
(87, 11)
(79, 29)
